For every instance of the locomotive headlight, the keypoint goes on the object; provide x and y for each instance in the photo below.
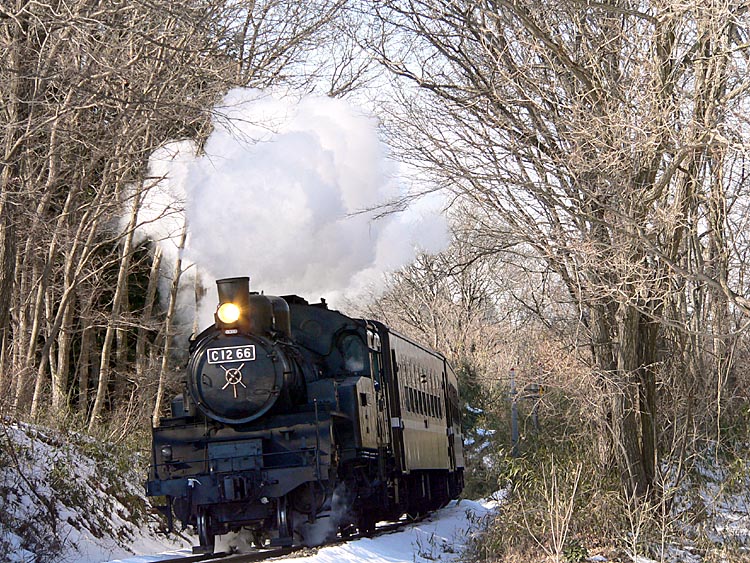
(228, 313)
(166, 453)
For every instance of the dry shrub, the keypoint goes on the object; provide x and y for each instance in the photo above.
(567, 503)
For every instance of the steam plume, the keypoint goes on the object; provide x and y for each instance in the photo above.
(278, 194)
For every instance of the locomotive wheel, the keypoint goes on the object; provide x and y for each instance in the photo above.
(347, 530)
(206, 535)
(366, 524)
(259, 539)
(284, 519)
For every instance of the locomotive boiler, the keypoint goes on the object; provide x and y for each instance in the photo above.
(295, 415)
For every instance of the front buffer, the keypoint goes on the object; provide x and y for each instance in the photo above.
(222, 480)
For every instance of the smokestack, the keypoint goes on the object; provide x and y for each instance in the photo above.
(234, 290)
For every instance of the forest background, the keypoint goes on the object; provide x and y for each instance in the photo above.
(592, 155)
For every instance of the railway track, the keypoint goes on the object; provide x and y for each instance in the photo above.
(259, 555)
(273, 553)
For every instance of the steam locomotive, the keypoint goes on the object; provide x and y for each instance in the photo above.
(295, 416)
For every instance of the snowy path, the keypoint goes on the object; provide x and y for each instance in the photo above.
(441, 537)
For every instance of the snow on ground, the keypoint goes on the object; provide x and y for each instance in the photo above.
(440, 537)
(65, 498)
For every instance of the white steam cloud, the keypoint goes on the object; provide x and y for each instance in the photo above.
(279, 195)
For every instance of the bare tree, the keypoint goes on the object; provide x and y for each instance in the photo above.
(88, 92)
(608, 138)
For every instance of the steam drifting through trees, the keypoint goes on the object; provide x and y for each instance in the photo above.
(89, 91)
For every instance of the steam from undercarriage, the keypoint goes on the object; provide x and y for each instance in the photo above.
(235, 542)
(337, 513)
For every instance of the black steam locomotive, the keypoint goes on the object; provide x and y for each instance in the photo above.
(296, 415)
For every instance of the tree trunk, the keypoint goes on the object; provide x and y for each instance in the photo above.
(647, 339)
(7, 275)
(83, 365)
(625, 405)
(168, 322)
(17, 110)
(114, 318)
(141, 358)
(60, 377)
(42, 300)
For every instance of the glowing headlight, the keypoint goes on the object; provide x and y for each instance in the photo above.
(228, 313)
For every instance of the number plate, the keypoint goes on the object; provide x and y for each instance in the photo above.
(231, 354)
